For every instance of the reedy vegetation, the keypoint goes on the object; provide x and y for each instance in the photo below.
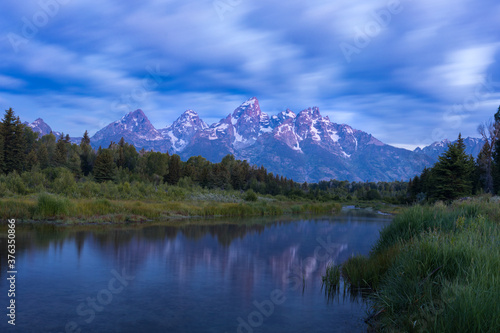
(434, 269)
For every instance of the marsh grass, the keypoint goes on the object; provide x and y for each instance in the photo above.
(364, 274)
(435, 269)
(101, 209)
(331, 279)
(51, 206)
(14, 208)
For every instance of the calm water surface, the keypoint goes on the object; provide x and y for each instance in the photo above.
(218, 276)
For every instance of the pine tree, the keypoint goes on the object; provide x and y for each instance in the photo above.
(104, 167)
(221, 176)
(484, 168)
(154, 165)
(43, 156)
(120, 160)
(85, 138)
(61, 153)
(31, 160)
(30, 139)
(490, 133)
(2, 153)
(12, 132)
(496, 154)
(453, 173)
(49, 141)
(87, 155)
(174, 169)
(74, 162)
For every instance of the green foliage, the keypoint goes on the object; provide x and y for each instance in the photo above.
(453, 173)
(15, 183)
(2, 154)
(43, 156)
(154, 164)
(174, 169)
(34, 180)
(12, 133)
(186, 182)
(250, 195)
(496, 154)
(104, 168)
(452, 177)
(65, 183)
(484, 168)
(60, 157)
(87, 155)
(373, 195)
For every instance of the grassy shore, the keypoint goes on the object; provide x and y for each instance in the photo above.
(434, 269)
(50, 207)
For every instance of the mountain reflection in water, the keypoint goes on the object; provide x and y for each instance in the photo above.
(187, 275)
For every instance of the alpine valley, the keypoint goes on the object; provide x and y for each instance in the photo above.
(304, 146)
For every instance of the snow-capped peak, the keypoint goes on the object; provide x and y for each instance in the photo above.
(189, 114)
(288, 114)
(250, 108)
(189, 119)
(40, 127)
(250, 101)
(133, 118)
(37, 121)
(183, 129)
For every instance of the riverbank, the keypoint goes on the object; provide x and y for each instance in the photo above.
(54, 208)
(434, 268)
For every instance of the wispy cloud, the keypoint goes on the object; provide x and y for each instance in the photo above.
(425, 60)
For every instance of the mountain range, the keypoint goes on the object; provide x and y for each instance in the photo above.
(304, 146)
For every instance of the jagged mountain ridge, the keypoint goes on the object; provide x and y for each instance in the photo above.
(41, 127)
(303, 146)
(472, 146)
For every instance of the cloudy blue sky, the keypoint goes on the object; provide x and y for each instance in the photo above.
(409, 72)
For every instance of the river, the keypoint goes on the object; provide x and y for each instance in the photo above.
(245, 275)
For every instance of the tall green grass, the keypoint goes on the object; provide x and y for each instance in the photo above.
(435, 269)
(49, 206)
(365, 273)
(331, 279)
(57, 207)
(16, 208)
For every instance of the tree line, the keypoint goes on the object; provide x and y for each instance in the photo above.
(456, 174)
(21, 150)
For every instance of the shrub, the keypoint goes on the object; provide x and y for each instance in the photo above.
(15, 184)
(250, 196)
(34, 180)
(65, 183)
